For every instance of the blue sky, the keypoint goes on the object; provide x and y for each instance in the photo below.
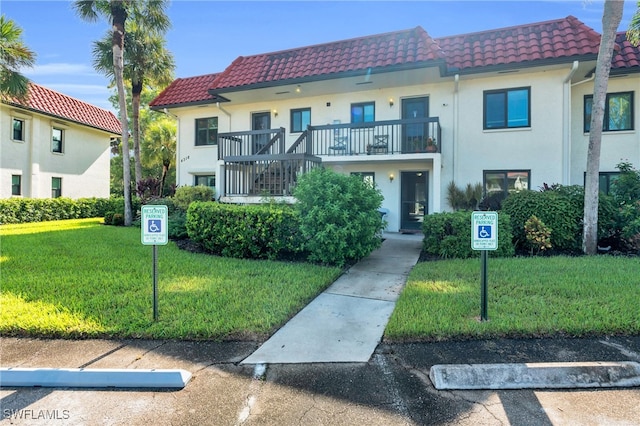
(206, 36)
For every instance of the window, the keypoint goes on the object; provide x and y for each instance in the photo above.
(206, 180)
(18, 129)
(300, 119)
(505, 109)
(56, 140)
(605, 180)
(56, 187)
(363, 112)
(207, 131)
(618, 112)
(368, 177)
(16, 185)
(506, 181)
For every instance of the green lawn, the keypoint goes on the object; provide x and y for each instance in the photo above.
(528, 297)
(83, 279)
(79, 278)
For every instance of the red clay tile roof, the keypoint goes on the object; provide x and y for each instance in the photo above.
(358, 54)
(50, 102)
(550, 40)
(560, 40)
(625, 55)
(190, 90)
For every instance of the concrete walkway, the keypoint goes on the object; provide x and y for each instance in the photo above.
(346, 322)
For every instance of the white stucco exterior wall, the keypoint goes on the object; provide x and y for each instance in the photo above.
(84, 165)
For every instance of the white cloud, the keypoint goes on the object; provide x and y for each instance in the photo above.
(60, 68)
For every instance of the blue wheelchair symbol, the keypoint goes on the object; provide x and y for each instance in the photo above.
(484, 232)
(154, 227)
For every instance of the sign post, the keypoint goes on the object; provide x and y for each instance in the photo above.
(154, 232)
(484, 237)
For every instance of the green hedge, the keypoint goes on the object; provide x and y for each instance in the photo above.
(254, 231)
(448, 235)
(562, 210)
(24, 210)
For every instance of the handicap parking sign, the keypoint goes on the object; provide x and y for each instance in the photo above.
(484, 230)
(154, 225)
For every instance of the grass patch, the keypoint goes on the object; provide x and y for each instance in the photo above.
(527, 297)
(78, 278)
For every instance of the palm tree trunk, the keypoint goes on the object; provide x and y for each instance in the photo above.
(610, 21)
(119, 15)
(135, 123)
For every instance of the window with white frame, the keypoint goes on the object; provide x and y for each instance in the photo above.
(18, 130)
(56, 187)
(16, 185)
(507, 108)
(506, 181)
(300, 119)
(57, 140)
(618, 112)
(207, 131)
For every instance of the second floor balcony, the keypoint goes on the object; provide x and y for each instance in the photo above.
(390, 137)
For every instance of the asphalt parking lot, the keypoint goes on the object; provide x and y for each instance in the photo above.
(392, 388)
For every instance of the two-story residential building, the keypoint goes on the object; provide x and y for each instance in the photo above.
(508, 108)
(54, 145)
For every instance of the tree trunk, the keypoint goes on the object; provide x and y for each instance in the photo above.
(610, 20)
(119, 15)
(135, 123)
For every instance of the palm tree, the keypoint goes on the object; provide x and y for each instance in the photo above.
(160, 145)
(610, 21)
(633, 33)
(145, 59)
(116, 11)
(14, 55)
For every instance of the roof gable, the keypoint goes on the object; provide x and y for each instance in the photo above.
(358, 54)
(550, 40)
(50, 102)
(190, 90)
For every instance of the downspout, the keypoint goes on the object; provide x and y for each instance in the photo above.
(456, 114)
(566, 125)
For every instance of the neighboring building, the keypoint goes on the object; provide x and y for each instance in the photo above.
(508, 108)
(54, 145)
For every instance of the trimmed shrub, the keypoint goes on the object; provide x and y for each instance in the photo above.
(339, 218)
(254, 231)
(448, 235)
(185, 195)
(24, 210)
(562, 209)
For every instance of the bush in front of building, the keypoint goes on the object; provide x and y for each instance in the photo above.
(562, 209)
(448, 235)
(25, 210)
(339, 218)
(185, 195)
(269, 231)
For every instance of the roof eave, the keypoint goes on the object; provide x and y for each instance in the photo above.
(519, 65)
(330, 76)
(60, 117)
